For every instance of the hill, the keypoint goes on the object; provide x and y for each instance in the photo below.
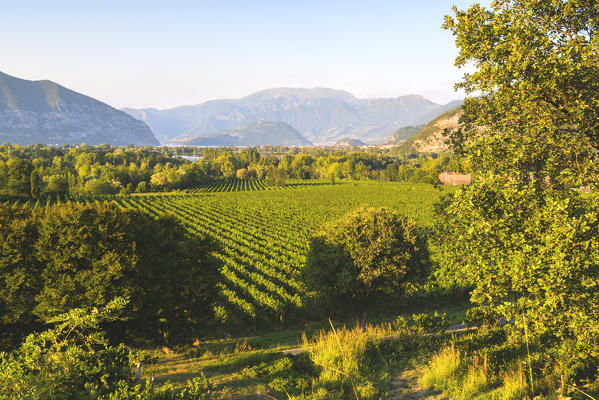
(44, 112)
(430, 139)
(349, 142)
(321, 115)
(404, 133)
(255, 134)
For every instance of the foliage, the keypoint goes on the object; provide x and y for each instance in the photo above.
(536, 70)
(105, 170)
(73, 360)
(275, 177)
(532, 257)
(75, 255)
(367, 253)
(422, 323)
(520, 235)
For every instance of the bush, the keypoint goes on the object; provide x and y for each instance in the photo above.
(77, 256)
(430, 322)
(421, 322)
(73, 360)
(481, 316)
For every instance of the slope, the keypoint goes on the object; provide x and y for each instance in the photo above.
(430, 139)
(44, 112)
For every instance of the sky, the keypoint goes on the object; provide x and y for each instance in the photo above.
(167, 53)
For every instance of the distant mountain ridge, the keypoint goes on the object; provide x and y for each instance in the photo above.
(403, 134)
(33, 112)
(349, 142)
(321, 115)
(255, 134)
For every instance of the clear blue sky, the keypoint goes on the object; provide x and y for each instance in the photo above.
(168, 53)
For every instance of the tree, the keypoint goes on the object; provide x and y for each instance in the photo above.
(57, 184)
(35, 185)
(19, 175)
(368, 253)
(520, 235)
(76, 255)
(75, 360)
(99, 187)
(276, 177)
(72, 360)
(19, 268)
(534, 89)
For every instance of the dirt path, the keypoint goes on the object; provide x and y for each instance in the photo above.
(405, 387)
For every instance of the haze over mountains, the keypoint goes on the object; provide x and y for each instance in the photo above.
(321, 115)
(260, 133)
(47, 113)
(44, 112)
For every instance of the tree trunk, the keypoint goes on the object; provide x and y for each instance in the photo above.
(361, 319)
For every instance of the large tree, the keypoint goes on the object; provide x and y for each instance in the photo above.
(534, 88)
(366, 254)
(75, 255)
(521, 235)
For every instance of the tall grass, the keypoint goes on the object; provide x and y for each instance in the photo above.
(354, 365)
(465, 378)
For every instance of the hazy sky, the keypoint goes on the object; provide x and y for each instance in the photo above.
(169, 53)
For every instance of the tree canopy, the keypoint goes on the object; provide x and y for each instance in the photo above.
(76, 255)
(368, 253)
(534, 89)
(522, 235)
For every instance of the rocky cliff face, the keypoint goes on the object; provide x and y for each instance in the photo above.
(430, 139)
(321, 115)
(44, 112)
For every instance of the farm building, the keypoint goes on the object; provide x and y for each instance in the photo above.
(450, 178)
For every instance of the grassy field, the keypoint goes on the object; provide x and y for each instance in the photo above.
(240, 367)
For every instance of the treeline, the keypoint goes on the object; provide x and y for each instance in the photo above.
(71, 255)
(37, 171)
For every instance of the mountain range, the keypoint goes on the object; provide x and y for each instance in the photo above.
(48, 113)
(321, 115)
(44, 112)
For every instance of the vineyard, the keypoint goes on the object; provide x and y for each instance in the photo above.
(264, 235)
(237, 185)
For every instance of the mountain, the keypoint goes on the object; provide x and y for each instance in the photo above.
(321, 115)
(430, 139)
(349, 142)
(44, 112)
(404, 133)
(255, 134)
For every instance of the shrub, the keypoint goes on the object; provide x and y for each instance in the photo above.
(421, 322)
(352, 364)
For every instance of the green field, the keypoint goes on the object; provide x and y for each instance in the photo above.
(264, 235)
